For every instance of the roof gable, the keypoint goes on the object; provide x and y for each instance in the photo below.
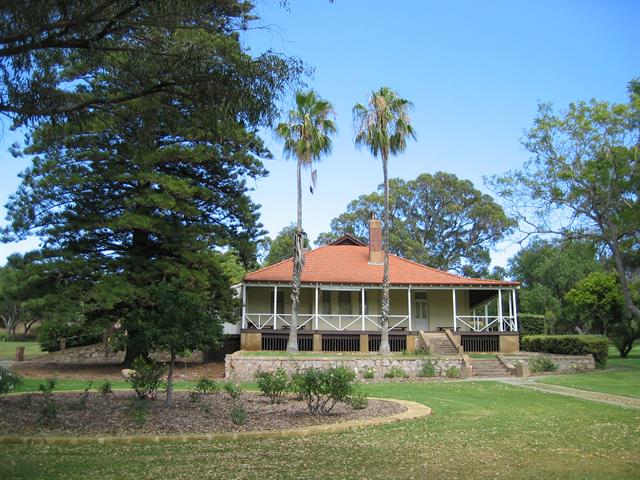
(348, 239)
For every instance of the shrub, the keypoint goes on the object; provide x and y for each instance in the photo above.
(233, 390)
(273, 384)
(238, 414)
(542, 364)
(358, 401)
(322, 389)
(428, 370)
(204, 386)
(105, 388)
(139, 410)
(146, 378)
(51, 331)
(49, 411)
(8, 381)
(3, 336)
(569, 345)
(369, 373)
(452, 372)
(396, 372)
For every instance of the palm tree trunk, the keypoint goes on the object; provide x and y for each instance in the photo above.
(385, 349)
(298, 265)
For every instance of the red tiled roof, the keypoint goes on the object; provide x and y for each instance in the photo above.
(349, 264)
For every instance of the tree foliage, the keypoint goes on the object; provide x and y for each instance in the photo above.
(54, 56)
(281, 247)
(583, 179)
(142, 193)
(438, 220)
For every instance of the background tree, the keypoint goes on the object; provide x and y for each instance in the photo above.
(53, 54)
(281, 247)
(383, 126)
(141, 193)
(438, 220)
(583, 179)
(307, 136)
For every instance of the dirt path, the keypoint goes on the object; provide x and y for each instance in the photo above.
(532, 383)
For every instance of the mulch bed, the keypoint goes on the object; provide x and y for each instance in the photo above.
(113, 414)
(188, 371)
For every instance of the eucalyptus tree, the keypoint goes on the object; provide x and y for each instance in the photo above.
(307, 136)
(383, 126)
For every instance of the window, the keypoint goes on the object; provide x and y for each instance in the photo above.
(344, 303)
(326, 302)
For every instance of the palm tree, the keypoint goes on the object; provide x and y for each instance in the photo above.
(306, 135)
(383, 126)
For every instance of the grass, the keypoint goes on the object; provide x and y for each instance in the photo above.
(8, 349)
(477, 430)
(624, 379)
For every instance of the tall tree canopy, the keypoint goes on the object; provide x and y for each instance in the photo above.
(307, 136)
(583, 179)
(143, 191)
(56, 58)
(438, 220)
(281, 247)
(383, 126)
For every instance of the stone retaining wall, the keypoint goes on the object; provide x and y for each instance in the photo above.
(566, 363)
(99, 353)
(242, 368)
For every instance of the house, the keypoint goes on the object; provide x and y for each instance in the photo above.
(340, 304)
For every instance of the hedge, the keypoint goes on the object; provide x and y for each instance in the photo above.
(598, 346)
(77, 335)
(531, 324)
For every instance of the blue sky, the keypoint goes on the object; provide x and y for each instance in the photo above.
(475, 72)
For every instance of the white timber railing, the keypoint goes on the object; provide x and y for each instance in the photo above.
(340, 323)
(481, 323)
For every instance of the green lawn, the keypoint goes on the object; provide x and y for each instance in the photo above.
(624, 379)
(8, 349)
(477, 430)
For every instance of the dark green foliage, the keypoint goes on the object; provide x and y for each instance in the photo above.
(281, 247)
(75, 334)
(369, 373)
(428, 370)
(323, 388)
(452, 372)
(569, 345)
(204, 386)
(139, 410)
(8, 381)
(238, 414)
(105, 388)
(542, 364)
(146, 378)
(273, 384)
(396, 372)
(358, 401)
(233, 390)
(49, 410)
(438, 220)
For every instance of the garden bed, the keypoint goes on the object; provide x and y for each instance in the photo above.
(113, 414)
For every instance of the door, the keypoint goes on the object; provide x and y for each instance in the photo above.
(420, 319)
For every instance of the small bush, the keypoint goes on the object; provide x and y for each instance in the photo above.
(542, 364)
(323, 388)
(233, 390)
(206, 386)
(49, 411)
(139, 410)
(369, 373)
(146, 378)
(396, 372)
(8, 381)
(358, 401)
(51, 331)
(273, 384)
(452, 372)
(569, 345)
(3, 336)
(238, 414)
(105, 388)
(428, 370)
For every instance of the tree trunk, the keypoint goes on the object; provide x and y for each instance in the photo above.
(136, 347)
(298, 265)
(169, 400)
(385, 349)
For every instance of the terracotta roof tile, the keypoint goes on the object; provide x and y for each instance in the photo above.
(349, 264)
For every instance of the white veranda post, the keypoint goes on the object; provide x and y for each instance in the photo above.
(316, 310)
(244, 306)
(500, 319)
(515, 310)
(362, 309)
(409, 306)
(275, 306)
(455, 313)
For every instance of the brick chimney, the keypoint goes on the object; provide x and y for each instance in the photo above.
(376, 255)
